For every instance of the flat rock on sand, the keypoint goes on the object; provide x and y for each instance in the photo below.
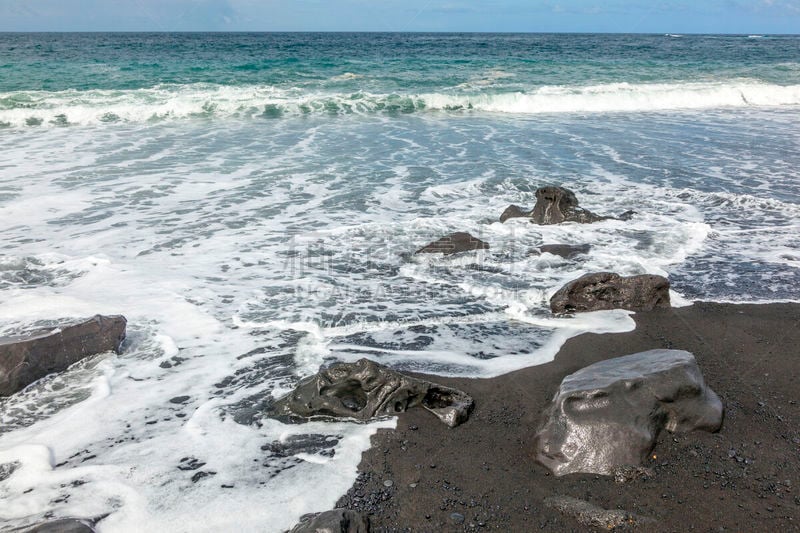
(744, 478)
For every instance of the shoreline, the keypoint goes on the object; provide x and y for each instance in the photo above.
(482, 476)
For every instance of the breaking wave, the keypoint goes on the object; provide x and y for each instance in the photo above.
(72, 107)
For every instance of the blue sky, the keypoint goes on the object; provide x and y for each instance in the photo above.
(657, 16)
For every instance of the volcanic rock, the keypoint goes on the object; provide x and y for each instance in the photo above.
(453, 244)
(555, 205)
(26, 358)
(514, 211)
(609, 414)
(365, 390)
(606, 290)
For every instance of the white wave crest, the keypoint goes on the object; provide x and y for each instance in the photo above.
(625, 97)
(61, 108)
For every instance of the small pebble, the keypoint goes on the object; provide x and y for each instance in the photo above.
(458, 518)
(412, 485)
(388, 483)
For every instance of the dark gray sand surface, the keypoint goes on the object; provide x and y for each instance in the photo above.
(480, 476)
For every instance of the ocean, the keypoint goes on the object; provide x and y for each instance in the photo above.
(251, 203)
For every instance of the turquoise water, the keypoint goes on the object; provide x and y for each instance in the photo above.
(402, 63)
(80, 78)
(251, 201)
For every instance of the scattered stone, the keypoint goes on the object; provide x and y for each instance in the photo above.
(179, 399)
(588, 514)
(365, 390)
(606, 290)
(190, 463)
(609, 414)
(457, 518)
(388, 483)
(202, 474)
(335, 521)
(27, 358)
(453, 244)
(629, 473)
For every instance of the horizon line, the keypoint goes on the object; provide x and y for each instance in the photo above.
(449, 32)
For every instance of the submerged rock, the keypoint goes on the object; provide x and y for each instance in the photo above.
(365, 390)
(567, 251)
(606, 290)
(609, 414)
(335, 521)
(63, 525)
(453, 244)
(27, 358)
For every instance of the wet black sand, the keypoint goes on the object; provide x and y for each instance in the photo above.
(481, 475)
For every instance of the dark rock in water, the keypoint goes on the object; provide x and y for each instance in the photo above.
(591, 515)
(336, 521)
(567, 251)
(26, 358)
(606, 290)
(453, 244)
(63, 525)
(6, 469)
(514, 211)
(609, 414)
(179, 399)
(310, 444)
(555, 205)
(365, 390)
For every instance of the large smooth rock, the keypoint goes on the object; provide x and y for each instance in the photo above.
(609, 414)
(365, 390)
(26, 358)
(453, 244)
(606, 290)
(335, 521)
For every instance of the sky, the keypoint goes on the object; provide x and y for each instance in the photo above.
(634, 16)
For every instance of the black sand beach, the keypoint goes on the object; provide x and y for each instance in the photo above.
(482, 476)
